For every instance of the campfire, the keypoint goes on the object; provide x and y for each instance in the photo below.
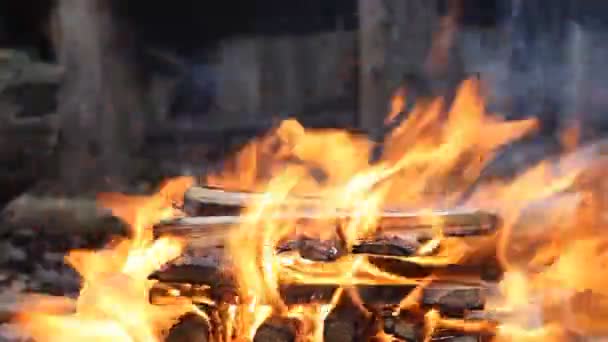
(302, 238)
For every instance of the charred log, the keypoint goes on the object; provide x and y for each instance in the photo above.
(190, 328)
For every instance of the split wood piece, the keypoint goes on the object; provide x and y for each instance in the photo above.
(57, 215)
(211, 231)
(448, 297)
(207, 201)
(202, 201)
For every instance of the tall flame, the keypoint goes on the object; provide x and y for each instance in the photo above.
(114, 300)
(432, 160)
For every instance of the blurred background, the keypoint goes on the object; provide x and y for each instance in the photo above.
(116, 95)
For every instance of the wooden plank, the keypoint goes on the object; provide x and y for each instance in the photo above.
(198, 197)
(210, 231)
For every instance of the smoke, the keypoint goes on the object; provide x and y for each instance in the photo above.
(544, 60)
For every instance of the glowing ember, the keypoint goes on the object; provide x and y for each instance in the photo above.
(553, 261)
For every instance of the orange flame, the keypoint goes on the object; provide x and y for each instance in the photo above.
(114, 301)
(549, 229)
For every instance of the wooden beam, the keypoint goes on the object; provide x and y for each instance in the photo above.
(211, 231)
(198, 197)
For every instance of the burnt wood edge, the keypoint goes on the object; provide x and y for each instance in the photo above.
(448, 297)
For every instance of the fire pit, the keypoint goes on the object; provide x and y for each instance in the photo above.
(322, 244)
(403, 248)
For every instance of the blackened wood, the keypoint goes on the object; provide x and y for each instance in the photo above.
(275, 330)
(450, 298)
(341, 326)
(190, 328)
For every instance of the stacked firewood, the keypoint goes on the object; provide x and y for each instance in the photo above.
(28, 119)
(203, 272)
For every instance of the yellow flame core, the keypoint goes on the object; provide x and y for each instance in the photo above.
(553, 257)
(114, 300)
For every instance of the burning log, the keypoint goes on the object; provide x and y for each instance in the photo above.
(211, 231)
(450, 298)
(203, 201)
(401, 233)
(206, 201)
(190, 328)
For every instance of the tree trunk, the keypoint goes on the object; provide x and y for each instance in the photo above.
(98, 98)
